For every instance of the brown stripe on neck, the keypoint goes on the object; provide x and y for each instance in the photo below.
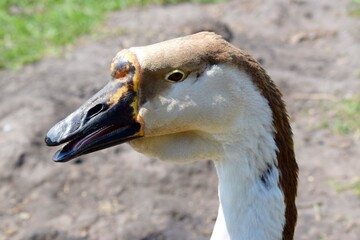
(223, 52)
(283, 137)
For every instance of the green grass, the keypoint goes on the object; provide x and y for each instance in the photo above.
(353, 186)
(354, 8)
(30, 29)
(347, 118)
(343, 117)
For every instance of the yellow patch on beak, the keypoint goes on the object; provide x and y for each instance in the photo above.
(118, 94)
(126, 69)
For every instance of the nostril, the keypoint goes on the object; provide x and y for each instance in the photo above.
(95, 110)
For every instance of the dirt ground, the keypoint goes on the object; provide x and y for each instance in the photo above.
(310, 48)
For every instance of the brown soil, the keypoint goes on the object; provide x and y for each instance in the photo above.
(310, 48)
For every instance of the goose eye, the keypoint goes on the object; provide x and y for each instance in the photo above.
(175, 76)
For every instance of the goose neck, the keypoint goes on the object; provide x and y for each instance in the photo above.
(251, 202)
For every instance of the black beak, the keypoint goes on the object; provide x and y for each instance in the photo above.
(109, 118)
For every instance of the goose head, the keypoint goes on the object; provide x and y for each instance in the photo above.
(162, 99)
(196, 98)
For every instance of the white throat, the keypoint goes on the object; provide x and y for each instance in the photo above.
(251, 203)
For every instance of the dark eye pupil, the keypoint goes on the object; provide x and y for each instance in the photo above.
(177, 76)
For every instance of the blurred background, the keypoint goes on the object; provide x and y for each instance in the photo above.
(54, 54)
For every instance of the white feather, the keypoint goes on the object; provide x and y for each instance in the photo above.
(223, 117)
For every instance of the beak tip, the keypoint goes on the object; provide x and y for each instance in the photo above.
(57, 160)
(60, 156)
(50, 142)
(55, 135)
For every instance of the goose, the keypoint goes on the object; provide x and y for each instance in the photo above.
(198, 98)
